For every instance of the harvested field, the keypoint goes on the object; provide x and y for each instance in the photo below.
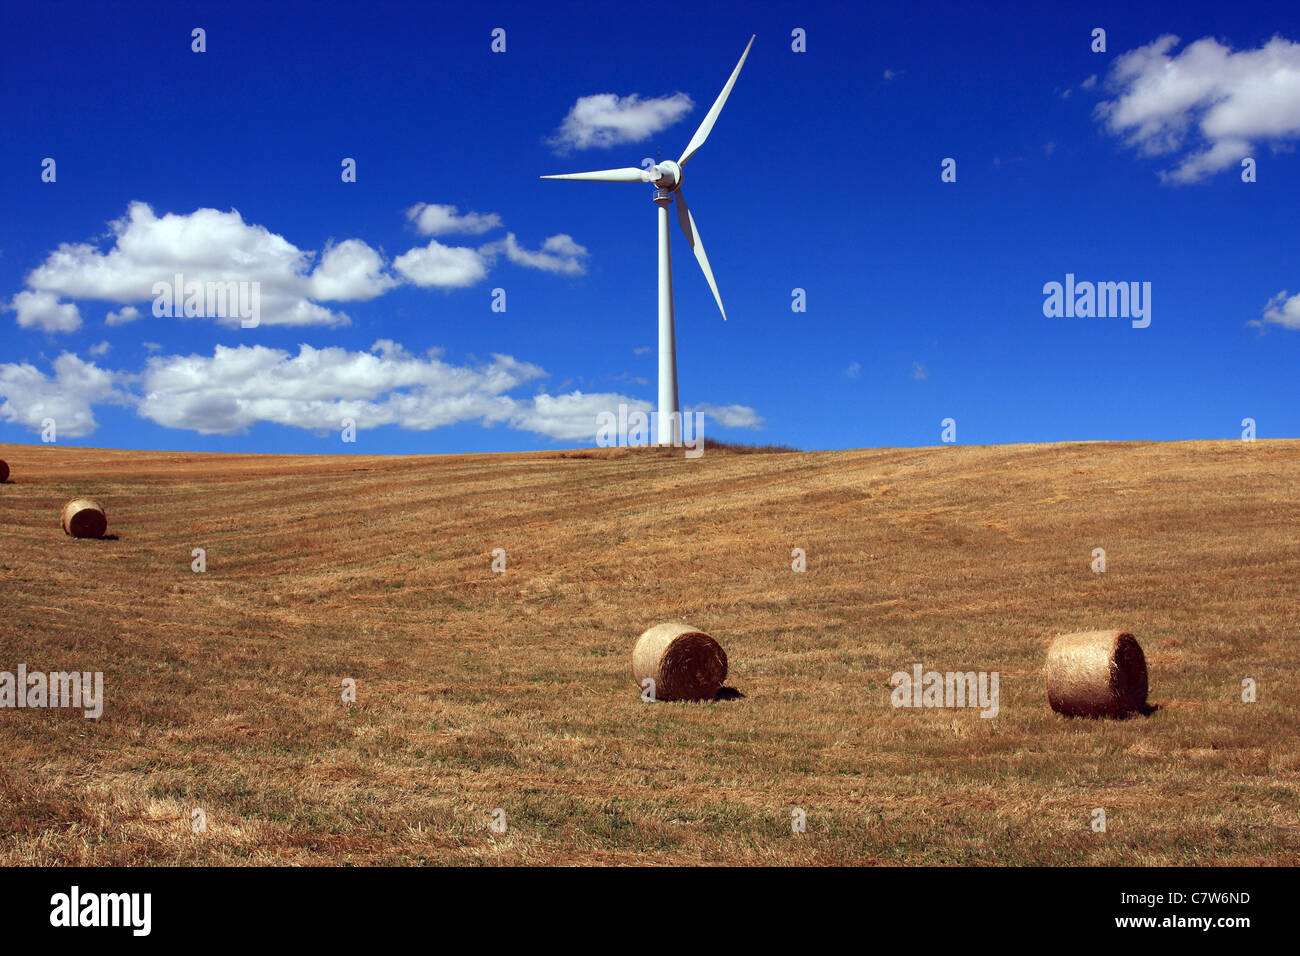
(479, 690)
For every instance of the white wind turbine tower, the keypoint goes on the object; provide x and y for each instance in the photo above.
(667, 177)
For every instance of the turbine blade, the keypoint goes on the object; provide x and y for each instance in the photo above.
(687, 222)
(628, 174)
(702, 133)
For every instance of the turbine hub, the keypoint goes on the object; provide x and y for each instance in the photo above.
(668, 176)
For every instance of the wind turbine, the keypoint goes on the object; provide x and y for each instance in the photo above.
(667, 178)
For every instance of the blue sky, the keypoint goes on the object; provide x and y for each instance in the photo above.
(924, 298)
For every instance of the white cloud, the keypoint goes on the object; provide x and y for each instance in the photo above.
(44, 311)
(571, 416)
(317, 388)
(447, 267)
(853, 370)
(30, 396)
(212, 246)
(1085, 84)
(431, 219)
(128, 313)
(1209, 106)
(919, 372)
(642, 350)
(234, 389)
(151, 346)
(730, 416)
(208, 245)
(607, 119)
(558, 254)
(350, 270)
(102, 348)
(889, 74)
(1282, 309)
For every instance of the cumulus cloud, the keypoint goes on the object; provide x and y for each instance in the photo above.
(607, 119)
(350, 270)
(558, 254)
(44, 311)
(730, 416)
(432, 219)
(571, 416)
(209, 246)
(67, 396)
(128, 313)
(1209, 106)
(446, 267)
(1282, 309)
(235, 389)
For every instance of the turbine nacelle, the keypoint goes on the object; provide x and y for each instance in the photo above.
(666, 175)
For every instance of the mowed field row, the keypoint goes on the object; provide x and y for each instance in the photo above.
(479, 690)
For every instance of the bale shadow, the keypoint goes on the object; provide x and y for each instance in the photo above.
(1146, 710)
(728, 693)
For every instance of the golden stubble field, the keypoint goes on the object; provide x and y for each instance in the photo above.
(479, 691)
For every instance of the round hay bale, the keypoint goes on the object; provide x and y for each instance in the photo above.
(83, 518)
(4, 471)
(684, 663)
(1096, 674)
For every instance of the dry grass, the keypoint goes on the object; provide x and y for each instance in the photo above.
(479, 690)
